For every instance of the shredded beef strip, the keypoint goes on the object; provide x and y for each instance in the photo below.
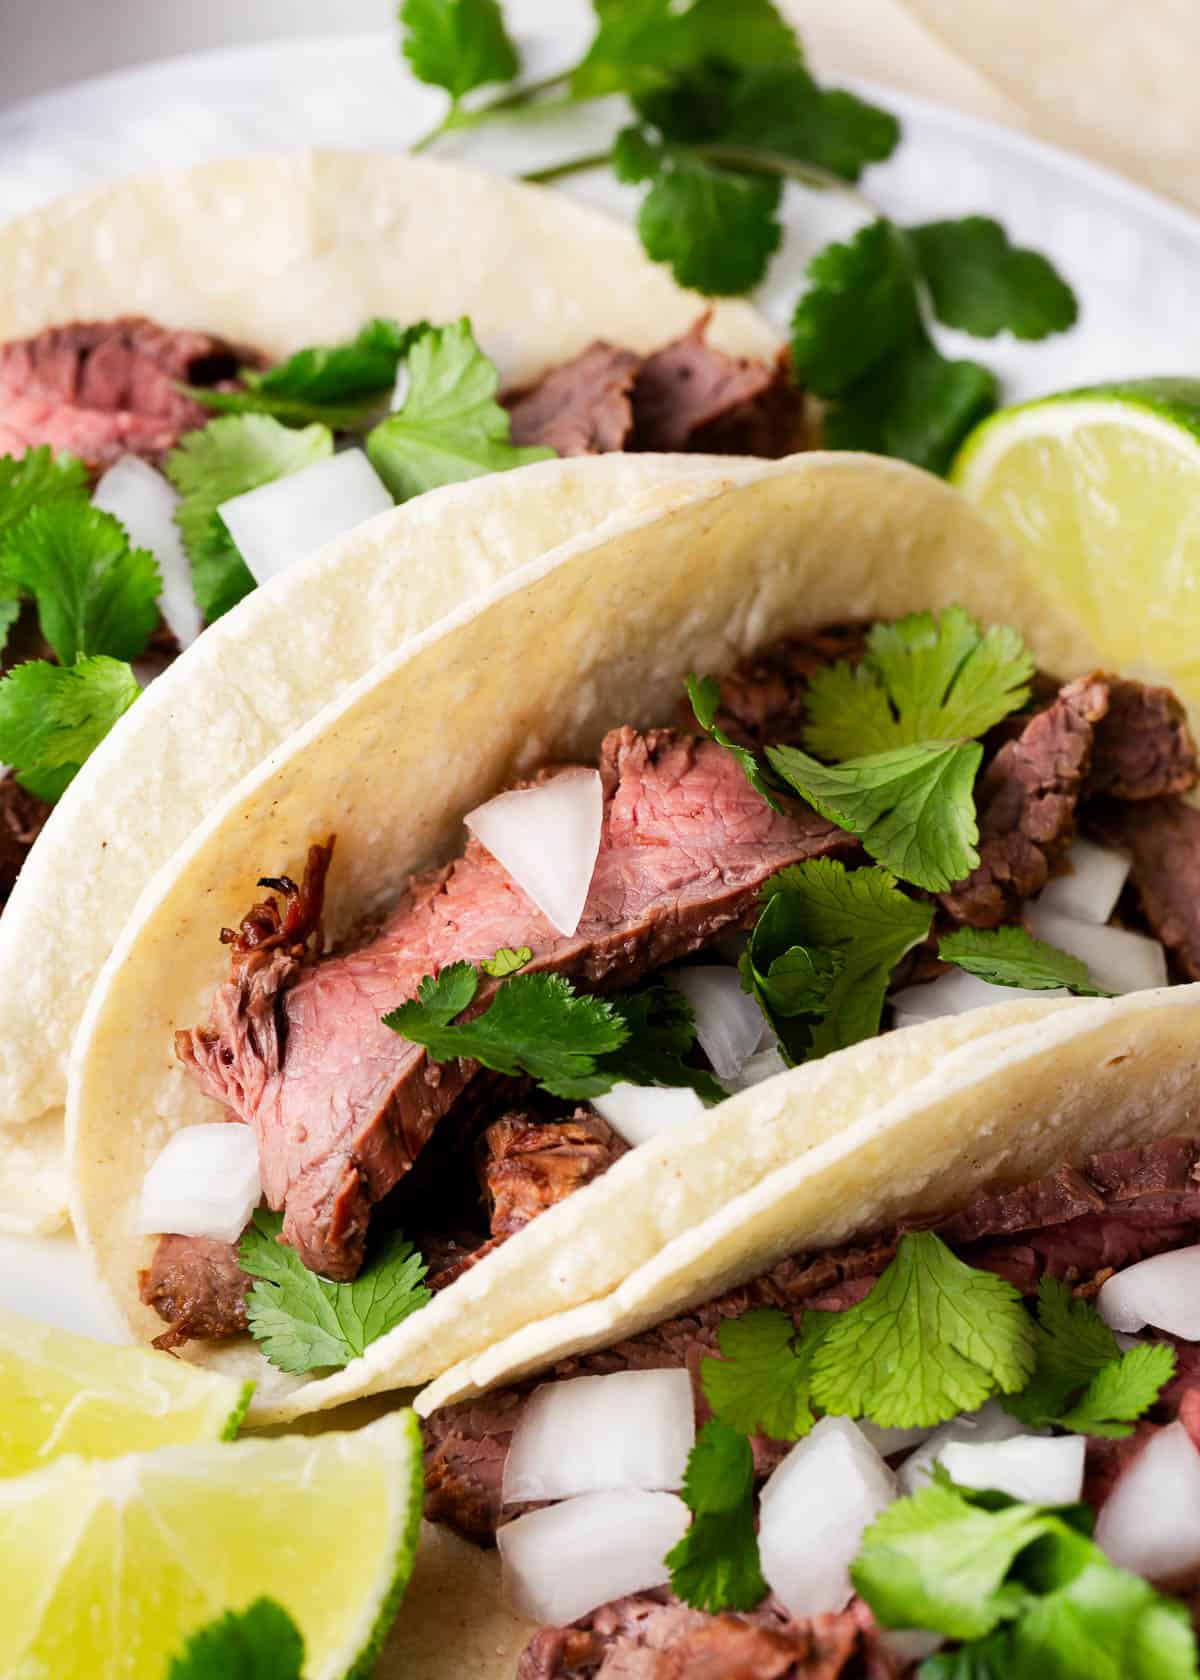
(530, 1164)
(584, 407)
(1162, 837)
(342, 1105)
(196, 1286)
(102, 389)
(1143, 747)
(1076, 1224)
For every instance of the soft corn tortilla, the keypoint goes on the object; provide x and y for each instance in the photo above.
(454, 1622)
(278, 253)
(593, 634)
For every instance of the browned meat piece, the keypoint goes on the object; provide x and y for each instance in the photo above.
(465, 1449)
(342, 1105)
(1163, 838)
(764, 699)
(1026, 801)
(1143, 747)
(101, 389)
(689, 396)
(531, 1164)
(197, 1287)
(22, 818)
(582, 408)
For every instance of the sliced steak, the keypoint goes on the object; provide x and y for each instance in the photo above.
(531, 1164)
(1163, 838)
(197, 1287)
(1026, 802)
(22, 818)
(101, 389)
(1143, 747)
(584, 407)
(764, 700)
(690, 396)
(342, 1105)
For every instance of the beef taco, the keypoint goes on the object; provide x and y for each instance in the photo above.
(480, 1086)
(167, 345)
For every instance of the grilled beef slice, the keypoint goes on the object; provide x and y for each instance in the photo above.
(102, 389)
(584, 407)
(342, 1105)
(22, 818)
(196, 1286)
(530, 1165)
(1163, 838)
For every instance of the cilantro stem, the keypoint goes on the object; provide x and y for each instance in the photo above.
(516, 102)
(571, 166)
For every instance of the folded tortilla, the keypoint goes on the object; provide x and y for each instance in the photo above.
(593, 634)
(279, 253)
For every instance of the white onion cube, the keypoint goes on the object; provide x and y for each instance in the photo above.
(294, 516)
(1150, 1522)
(548, 838)
(990, 1423)
(729, 1023)
(1090, 890)
(640, 1112)
(561, 1562)
(1117, 960)
(813, 1512)
(1163, 1291)
(889, 1441)
(632, 1429)
(204, 1183)
(955, 994)
(1035, 1468)
(763, 1065)
(144, 502)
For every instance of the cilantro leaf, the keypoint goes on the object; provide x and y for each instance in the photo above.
(917, 405)
(535, 1024)
(449, 426)
(458, 45)
(662, 1030)
(860, 307)
(641, 44)
(261, 1642)
(933, 1338)
(984, 285)
(716, 1566)
(306, 1323)
(506, 961)
(761, 1384)
(1009, 956)
(717, 229)
(1120, 1393)
(94, 593)
(37, 477)
(52, 717)
(912, 807)
(922, 678)
(820, 907)
(231, 455)
(705, 696)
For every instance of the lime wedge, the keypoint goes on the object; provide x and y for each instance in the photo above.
(65, 1394)
(1102, 489)
(111, 1566)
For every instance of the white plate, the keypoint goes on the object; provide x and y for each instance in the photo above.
(1132, 258)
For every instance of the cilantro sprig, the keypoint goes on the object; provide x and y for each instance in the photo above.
(715, 1566)
(261, 1642)
(574, 1045)
(1011, 956)
(304, 1322)
(52, 717)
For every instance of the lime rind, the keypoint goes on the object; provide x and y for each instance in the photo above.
(237, 1416)
(403, 1557)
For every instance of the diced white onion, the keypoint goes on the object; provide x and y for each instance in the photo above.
(1117, 960)
(561, 1562)
(989, 1423)
(764, 1064)
(640, 1112)
(813, 1512)
(1150, 1522)
(1037, 1469)
(954, 994)
(1089, 892)
(729, 1023)
(910, 1645)
(633, 1429)
(888, 1442)
(1163, 1291)
(293, 516)
(204, 1183)
(145, 503)
(548, 839)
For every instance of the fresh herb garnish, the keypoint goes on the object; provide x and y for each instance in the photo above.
(715, 1566)
(507, 961)
(705, 696)
(52, 717)
(230, 456)
(1082, 1381)
(1009, 956)
(821, 956)
(934, 1337)
(449, 426)
(307, 1323)
(762, 1383)
(35, 478)
(1026, 1588)
(261, 1642)
(574, 1045)
(459, 45)
(642, 47)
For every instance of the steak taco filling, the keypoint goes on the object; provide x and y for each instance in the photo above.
(621, 943)
(1041, 1343)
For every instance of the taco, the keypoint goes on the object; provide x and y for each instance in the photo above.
(367, 1135)
(157, 337)
(726, 1468)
